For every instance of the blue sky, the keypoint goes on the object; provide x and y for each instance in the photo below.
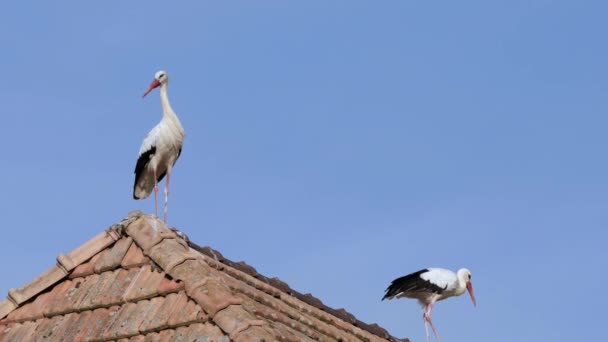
(336, 145)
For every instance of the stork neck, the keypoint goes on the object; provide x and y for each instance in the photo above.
(164, 101)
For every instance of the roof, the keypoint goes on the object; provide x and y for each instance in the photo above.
(139, 280)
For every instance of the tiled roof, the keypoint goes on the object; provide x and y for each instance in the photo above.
(139, 281)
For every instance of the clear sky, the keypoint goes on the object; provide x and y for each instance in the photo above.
(336, 145)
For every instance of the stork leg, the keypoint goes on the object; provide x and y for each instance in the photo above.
(427, 318)
(426, 328)
(155, 194)
(167, 193)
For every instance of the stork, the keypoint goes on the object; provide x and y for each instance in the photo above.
(430, 286)
(160, 149)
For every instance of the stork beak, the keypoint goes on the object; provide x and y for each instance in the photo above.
(471, 293)
(153, 85)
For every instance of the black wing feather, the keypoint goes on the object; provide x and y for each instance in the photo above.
(142, 161)
(412, 283)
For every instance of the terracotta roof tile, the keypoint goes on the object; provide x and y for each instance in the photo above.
(168, 285)
(111, 260)
(48, 278)
(18, 331)
(113, 294)
(194, 331)
(124, 325)
(139, 281)
(76, 326)
(144, 285)
(134, 258)
(95, 292)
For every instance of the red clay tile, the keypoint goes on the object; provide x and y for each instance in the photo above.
(233, 319)
(169, 253)
(255, 334)
(198, 331)
(134, 257)
(5, 328)
(139, 338)
(6, 306)
(74, 329)
(124, 325)
(56, 299)
(19, 331)
(213, 297)
(152, 337)
(47, 330)
(158, 316)
(168, 285)
(97, 323)
(63, 327)
(91, 300)
(144, 285)
(167, 335)
(191, 272)
(82, 270)
(113, 294)
(30, 311)
(148, 231)
(182, 304)
(154, 306)
(111, 260)
(86, 251)
(81, 289)
(34, 287)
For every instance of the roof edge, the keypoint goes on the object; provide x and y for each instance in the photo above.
(66, 262)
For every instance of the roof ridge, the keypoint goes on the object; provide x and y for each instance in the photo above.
(319, 310)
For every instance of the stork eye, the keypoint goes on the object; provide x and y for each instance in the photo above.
(469, 277)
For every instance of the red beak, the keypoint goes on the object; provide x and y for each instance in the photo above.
(471, 293)
(153, 85)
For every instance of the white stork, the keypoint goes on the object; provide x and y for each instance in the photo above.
(160, 149)
(430, 286)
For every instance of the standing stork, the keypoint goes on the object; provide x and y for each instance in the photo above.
(430, 286)
(160, 149)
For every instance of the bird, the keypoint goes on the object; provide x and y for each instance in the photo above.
(429, 286)
(160, 149)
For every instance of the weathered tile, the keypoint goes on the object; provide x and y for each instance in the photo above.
(91, 300)
(40, 283)
(75, 329)
(168, 285)
(86, 251)
(148, 231)
(144, 285)
(213, 297)
(114, 292)
(20, 331)
(169, 253)
(111, 260)
(134, 257)
(30, 311)
(126, 323)
(148, 323)
(97, 323)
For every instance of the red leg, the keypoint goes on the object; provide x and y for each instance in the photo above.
(167, 193)
(155, 195)
(427, 317)
(426, 324)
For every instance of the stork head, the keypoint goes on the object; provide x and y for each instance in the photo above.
(464, 276)
(160, 77)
